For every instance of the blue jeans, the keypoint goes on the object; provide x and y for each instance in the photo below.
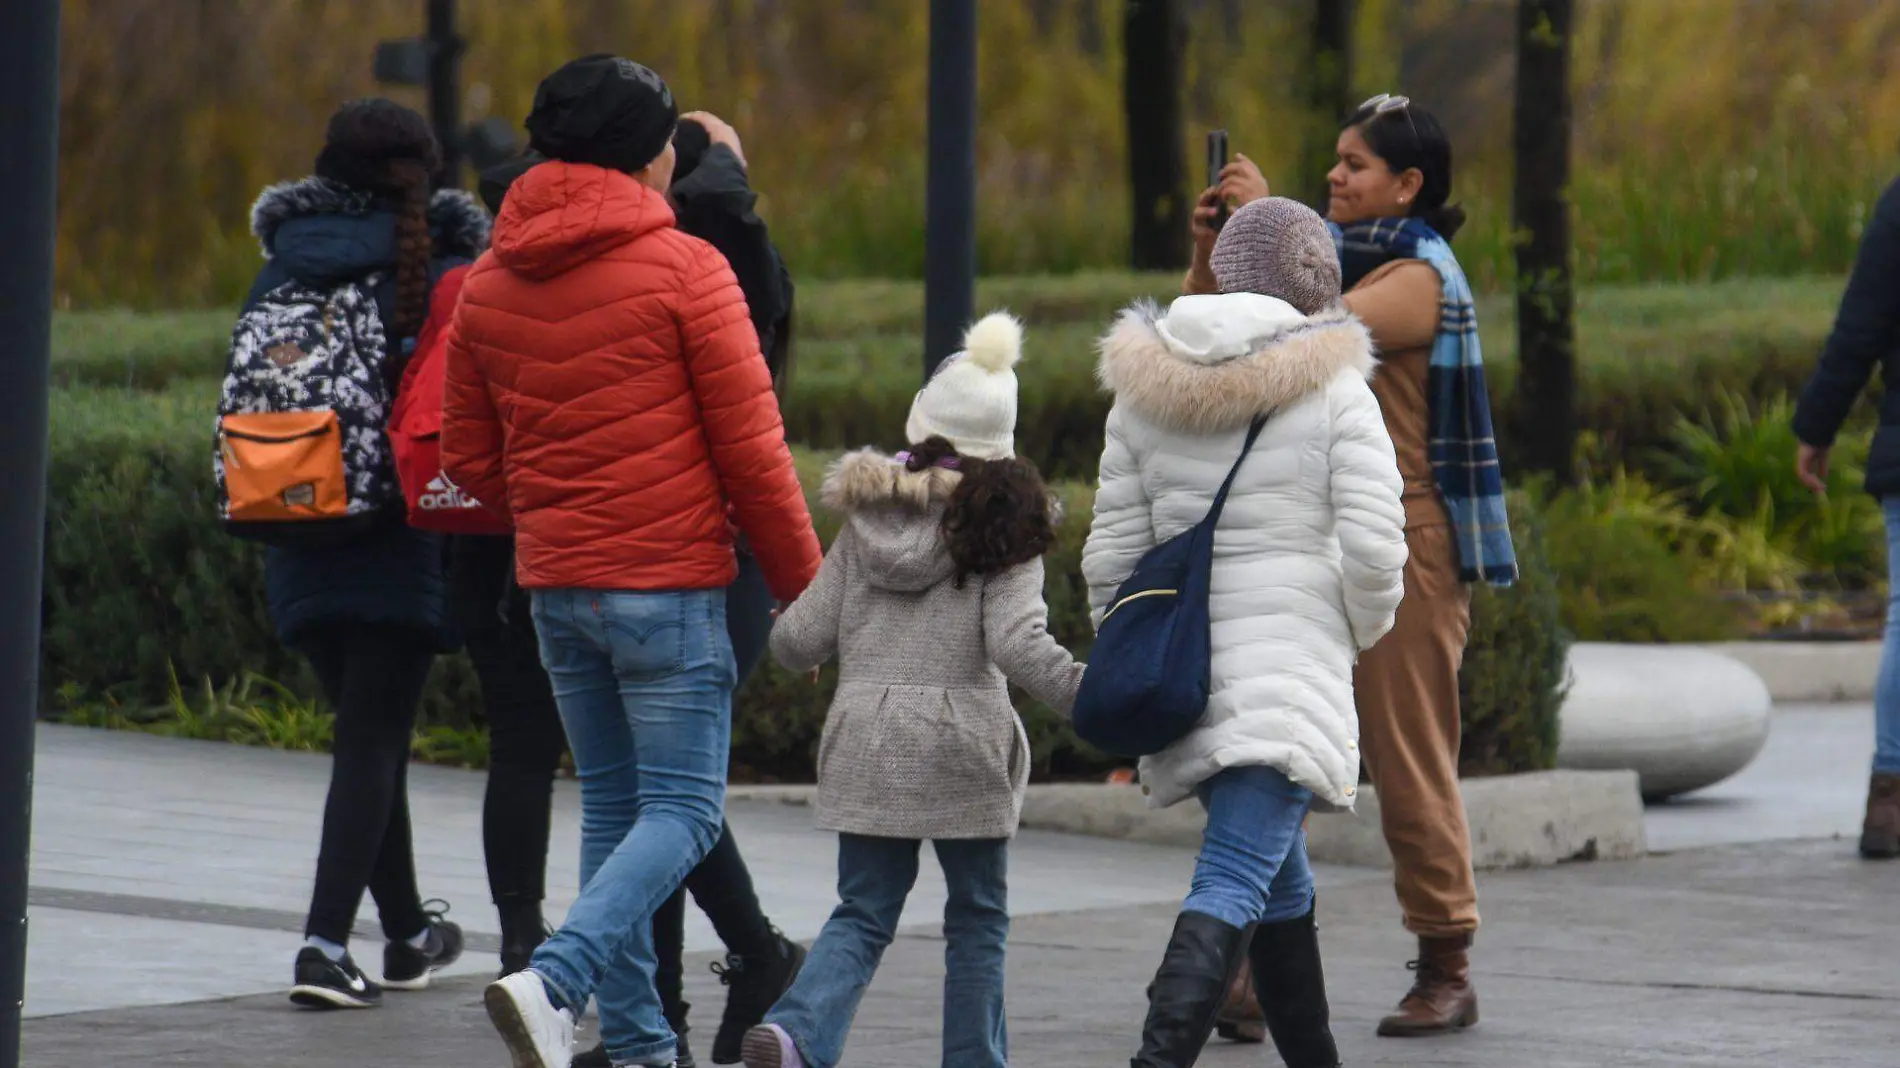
(1252, 868)
(1887, 687)
(874, 877)
(644, 683)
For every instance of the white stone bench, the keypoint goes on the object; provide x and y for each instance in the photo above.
(1679, 716)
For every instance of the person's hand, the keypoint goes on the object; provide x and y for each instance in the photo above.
(1206, 208)
(1810, 463)
(1241, 182)
(718, 131)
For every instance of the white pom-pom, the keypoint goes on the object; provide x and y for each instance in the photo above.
(995, 342)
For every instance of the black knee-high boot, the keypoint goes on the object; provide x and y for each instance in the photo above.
(1186, 995)
(1291, 986)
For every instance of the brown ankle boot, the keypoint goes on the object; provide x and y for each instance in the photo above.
(1880, 834)
(1240, 1018)
(1442, 998)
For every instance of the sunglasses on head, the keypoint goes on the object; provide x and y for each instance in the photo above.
(1387, 103)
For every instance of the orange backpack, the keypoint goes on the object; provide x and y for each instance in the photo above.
(300, 453)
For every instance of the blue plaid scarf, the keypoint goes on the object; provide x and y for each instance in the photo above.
(1463, 449)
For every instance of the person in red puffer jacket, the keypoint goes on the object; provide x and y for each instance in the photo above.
(606, 389)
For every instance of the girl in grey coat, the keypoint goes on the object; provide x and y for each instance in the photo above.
(931, 599)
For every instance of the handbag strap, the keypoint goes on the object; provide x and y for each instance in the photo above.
(1220, 498)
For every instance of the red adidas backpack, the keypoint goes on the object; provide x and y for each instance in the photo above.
(415, 428)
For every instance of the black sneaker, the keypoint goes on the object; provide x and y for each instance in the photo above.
(753, 986)
(407, 968)
(597, 1057)
(322, 983)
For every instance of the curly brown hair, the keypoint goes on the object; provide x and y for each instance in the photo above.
(1000, 514)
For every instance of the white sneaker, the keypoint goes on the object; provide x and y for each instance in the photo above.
(538, 1034)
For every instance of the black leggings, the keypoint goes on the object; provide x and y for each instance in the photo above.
(526, 742)
(525, 739)
(373, 678)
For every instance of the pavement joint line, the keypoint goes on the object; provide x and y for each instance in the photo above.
(1724, 988)
(170, 909)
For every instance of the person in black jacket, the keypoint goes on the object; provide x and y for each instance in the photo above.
(714, 202)
(1867, 335)
(368, 612)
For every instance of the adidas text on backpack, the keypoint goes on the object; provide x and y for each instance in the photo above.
(434, 501)
(301, 452)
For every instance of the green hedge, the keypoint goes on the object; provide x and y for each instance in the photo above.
(1648, 356)
(854, 391)
(141, 584)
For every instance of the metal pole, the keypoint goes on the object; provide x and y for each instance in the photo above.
(950, 189)
(29, 127)
(445, 89)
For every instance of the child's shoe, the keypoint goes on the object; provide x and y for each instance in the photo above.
(769, 1046)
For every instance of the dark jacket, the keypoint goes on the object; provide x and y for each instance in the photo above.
(1866, 335)
(714, 202)
(322, 233)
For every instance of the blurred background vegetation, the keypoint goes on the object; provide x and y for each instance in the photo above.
(1713, 138)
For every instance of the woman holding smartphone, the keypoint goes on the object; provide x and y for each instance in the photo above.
(1389, 205)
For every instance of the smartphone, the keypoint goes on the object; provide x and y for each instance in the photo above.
(1216, 160)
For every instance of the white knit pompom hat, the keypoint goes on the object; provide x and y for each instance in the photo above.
(971, 400)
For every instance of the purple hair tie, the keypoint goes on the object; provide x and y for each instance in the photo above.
(948, 463)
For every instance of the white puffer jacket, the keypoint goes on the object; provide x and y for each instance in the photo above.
(1310, 551)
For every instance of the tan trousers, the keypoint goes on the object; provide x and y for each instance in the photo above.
(1406, 687)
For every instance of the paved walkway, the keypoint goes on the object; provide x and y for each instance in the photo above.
(147, 850)
(1810, 781)
(168, 878)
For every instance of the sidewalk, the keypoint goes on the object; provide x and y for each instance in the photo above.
(148, 851)
(169, 878)
(1766, 955)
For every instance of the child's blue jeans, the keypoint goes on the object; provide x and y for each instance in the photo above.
(874, 877)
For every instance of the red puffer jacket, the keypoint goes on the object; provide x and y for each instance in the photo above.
(605, 382)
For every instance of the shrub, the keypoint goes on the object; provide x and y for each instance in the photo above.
(140, 583)
(1622, 551)
(144, 593)
(1516, 667)
(1737, 462)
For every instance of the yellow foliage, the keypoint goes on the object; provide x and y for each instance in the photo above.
(1713, 138)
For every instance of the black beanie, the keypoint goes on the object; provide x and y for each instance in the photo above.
(604, 110)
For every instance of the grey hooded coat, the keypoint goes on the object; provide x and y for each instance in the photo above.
(921, 741)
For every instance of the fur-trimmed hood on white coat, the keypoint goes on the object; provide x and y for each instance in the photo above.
(1309, 555)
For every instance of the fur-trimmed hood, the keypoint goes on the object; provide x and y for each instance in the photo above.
(1211, 363)
(896, 517)
(456, 218)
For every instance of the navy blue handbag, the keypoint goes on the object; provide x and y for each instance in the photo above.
(1146, 684)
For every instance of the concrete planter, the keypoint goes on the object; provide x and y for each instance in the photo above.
(1798, 673)
(1681, 717)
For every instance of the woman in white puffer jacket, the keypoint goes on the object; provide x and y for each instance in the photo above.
(1307, 572)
